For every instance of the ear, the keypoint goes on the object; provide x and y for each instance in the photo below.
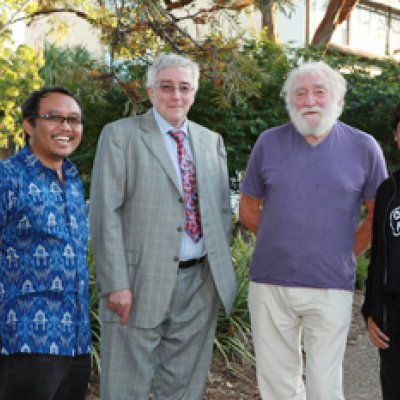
(150, 94)
(28, 127)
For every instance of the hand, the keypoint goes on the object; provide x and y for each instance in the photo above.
(120, 302)
(377, 337)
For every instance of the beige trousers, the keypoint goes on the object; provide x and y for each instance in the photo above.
(282, 318)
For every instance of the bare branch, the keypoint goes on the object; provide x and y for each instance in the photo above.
(12, 19)
(171, 5)
(336, 13)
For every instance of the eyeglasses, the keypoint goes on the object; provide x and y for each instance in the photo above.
(169, 88)
(74, 121)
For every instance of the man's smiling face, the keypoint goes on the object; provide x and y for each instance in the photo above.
(52, 141)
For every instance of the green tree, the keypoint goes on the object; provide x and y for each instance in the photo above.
(240, 108)
(103, 99)
(18, 77)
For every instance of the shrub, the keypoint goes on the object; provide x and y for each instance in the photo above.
(362, 271)
(94, 313)
(233, 338)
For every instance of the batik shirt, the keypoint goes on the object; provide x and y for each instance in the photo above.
(44, 302)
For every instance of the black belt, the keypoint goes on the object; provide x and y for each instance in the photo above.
(191, 262)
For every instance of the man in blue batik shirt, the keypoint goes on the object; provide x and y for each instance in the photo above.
(45, 339)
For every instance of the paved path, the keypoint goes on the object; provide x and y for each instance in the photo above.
(361, 361)
(361, 371)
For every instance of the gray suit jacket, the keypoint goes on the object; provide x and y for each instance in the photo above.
(136, 215)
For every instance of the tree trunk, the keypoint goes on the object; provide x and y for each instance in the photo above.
(336, 13)
(269, 21)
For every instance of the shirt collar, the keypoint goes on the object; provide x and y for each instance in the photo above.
(35, 165)
(165, 127)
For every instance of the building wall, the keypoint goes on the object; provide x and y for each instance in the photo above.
(373, 26)
(79, 32)
(292, 29)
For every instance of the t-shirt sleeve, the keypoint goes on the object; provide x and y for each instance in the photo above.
(376, 170)
(253, 184)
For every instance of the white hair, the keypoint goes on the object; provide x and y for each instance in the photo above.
(172, 60)
(336, 82)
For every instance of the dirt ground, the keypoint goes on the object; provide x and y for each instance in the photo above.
(235, 383)
(238, 381)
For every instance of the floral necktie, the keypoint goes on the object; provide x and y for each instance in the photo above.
(189, 187)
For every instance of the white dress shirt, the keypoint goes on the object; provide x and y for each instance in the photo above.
(189, 249)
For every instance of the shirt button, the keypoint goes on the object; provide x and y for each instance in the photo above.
(179, 229)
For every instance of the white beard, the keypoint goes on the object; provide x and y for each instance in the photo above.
(328, 117)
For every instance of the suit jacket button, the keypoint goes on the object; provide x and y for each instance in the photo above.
(179, 229)
(176, 258)
(180, 200)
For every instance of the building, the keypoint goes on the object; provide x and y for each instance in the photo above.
(64, 29)
(372, 29)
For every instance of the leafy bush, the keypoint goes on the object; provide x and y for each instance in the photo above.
(94, 313)
(361, 271)
(233, 338)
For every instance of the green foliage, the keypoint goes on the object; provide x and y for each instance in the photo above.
(233, 338)
(255, 75)
(361, 271)
(18, 77)
(94, 313)
(102, 98)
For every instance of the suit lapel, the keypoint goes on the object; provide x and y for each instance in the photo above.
(153, 140)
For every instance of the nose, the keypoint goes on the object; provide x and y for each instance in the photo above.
(176, 92)
(309, 99)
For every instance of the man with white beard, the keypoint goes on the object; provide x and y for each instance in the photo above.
(301, 195)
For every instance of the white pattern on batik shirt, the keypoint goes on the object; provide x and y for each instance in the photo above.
(44, 302)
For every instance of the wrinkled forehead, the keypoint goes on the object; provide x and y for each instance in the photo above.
(180, 74)
(311, 80)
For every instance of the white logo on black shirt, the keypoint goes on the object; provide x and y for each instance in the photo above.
(395, 221)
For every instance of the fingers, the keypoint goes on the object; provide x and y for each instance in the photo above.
(124, 316)
(120, 302)
(377, 337)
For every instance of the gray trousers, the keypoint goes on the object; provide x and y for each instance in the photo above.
(171, 360)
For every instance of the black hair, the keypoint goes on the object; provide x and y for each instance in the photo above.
(30, 106)
(395, 118)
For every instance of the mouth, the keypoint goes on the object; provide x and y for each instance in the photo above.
(312, 111)
(307, 113)
(62, 139)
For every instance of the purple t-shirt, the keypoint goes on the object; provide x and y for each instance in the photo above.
(312, 197)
